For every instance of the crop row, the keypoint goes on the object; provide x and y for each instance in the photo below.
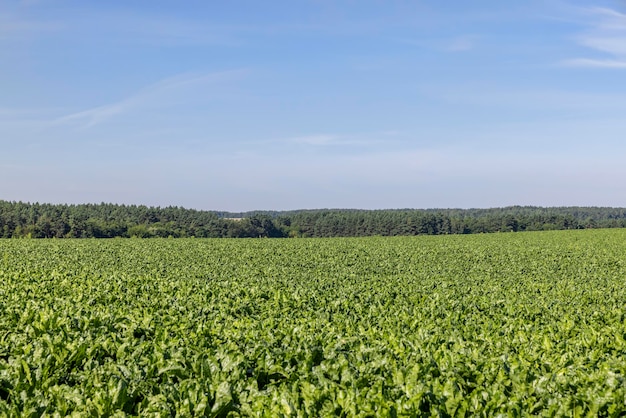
(514, 324)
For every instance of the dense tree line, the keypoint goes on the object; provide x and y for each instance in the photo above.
(348, 222)
(109, 221)
(18, 219)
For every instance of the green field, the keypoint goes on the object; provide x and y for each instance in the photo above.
(513, 324)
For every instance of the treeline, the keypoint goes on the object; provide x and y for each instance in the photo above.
(34, 220)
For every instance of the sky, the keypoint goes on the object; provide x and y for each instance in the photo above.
(277, 105)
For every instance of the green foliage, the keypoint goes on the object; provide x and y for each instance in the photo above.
(489, 325)
(34, 220)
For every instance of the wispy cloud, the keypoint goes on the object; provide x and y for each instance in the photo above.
(12, 113)
(543, 99)
(12, 26)
(595, 63)
(125, 27)
(169, 31)
(325, 140)
(455, 44)
(442, 176)
(606, 35)
(120, 26)
(316, 139)
(159, 93)
(461, 43)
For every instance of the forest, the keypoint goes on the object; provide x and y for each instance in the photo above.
(105, 220)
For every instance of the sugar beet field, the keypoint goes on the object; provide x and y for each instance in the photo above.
(512, 324)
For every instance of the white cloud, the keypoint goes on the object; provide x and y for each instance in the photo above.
(594, 63)
(13, 113)
(615, 45)
(162, 30)
(12, 25)
(462, 43)
(315, 139)
(611, 19)
(459, 43)
(441, 176)
(436, 177)
(159, 93)
(355, 139)
(485, 94)
(606, 35)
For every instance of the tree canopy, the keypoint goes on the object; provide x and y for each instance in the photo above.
(105, 220)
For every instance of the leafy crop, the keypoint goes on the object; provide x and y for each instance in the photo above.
(512, 324)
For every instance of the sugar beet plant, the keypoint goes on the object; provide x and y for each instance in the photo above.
(504, 324)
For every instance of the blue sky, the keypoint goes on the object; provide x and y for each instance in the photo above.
(245, 105)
